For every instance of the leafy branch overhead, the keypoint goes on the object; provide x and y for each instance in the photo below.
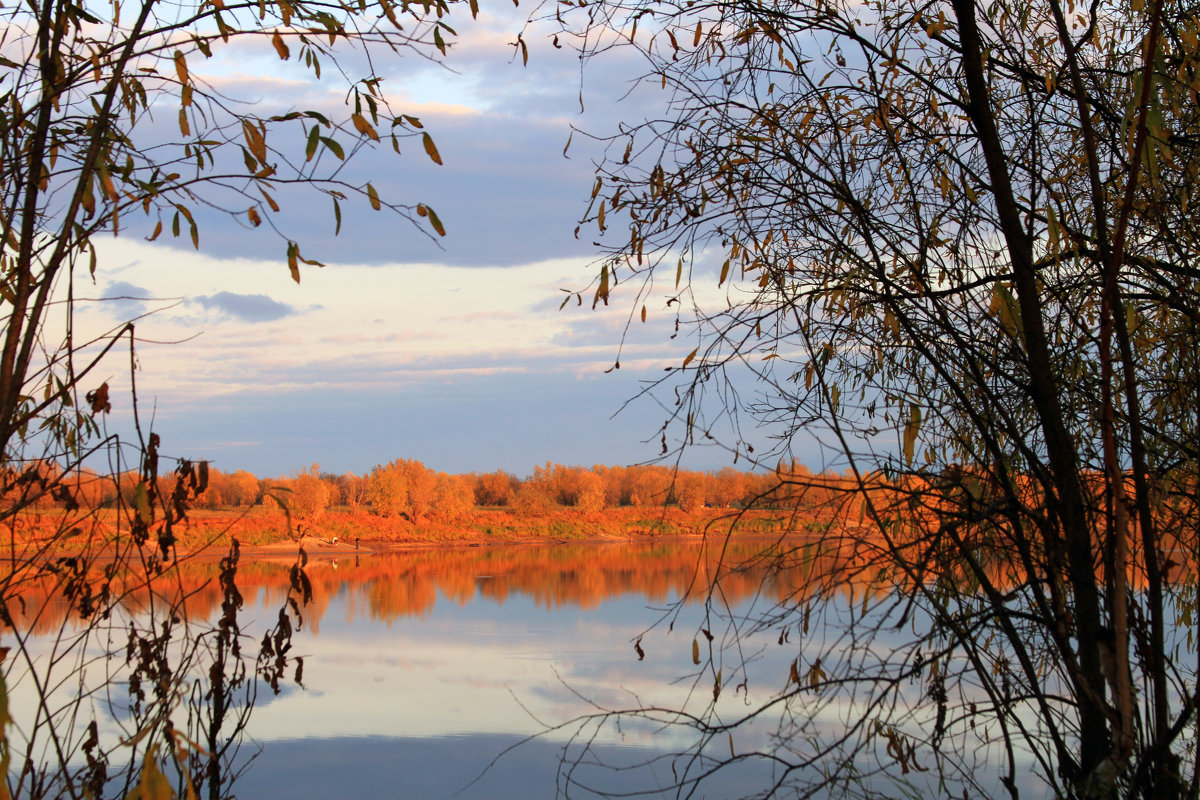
(954, 246)
(83, 94)
(86, 146)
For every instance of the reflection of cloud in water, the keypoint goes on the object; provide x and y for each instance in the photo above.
(415, 652)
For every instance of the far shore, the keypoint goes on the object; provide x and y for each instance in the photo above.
(269, 534)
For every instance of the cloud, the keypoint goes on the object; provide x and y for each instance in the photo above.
(126, 300)
(247, 307)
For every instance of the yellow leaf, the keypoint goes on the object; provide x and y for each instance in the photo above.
(1004, 308)
(141, 503)
(270, 200)
(255, 219)
(603, 289)
(373, 198)
(362, 126)
(280, 46)
(181, 66)
(695, 651)
(153, 785)
(690, 357)
(911, 428)
(255, 140)
(294, 260)
(106, 182)
(431, 148)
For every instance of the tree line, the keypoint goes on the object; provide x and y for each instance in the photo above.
(408, 489)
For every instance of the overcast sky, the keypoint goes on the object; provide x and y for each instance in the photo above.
(452, 351)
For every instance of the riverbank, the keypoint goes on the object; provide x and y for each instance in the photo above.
(268, 532)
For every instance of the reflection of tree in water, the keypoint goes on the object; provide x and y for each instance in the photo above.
(409, 582)
(840, 559)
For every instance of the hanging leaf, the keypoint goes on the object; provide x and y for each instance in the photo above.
(431, 149)
(603, 288)
(334, 147)
(911, 428)
(373, 197)
(362, 126)
(270, 200)
(293, 257)
(435, 222)
(181, 69)
(255, 140)
(1053, 245)
(141, 502)
(695, 651)
(280, 46)
(314, 138)
(1004, 308)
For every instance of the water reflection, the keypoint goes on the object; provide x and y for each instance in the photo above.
(422, 666)
(394, 584)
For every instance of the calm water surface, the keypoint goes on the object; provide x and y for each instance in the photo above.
(469, 672)
(472, 672)
(426, 672)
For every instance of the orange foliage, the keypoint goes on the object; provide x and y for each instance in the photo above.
(495, 488)
(408, 582)
(411, 503)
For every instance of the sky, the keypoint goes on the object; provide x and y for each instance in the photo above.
(452, 350)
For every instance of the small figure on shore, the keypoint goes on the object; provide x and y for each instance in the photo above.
(355, 542)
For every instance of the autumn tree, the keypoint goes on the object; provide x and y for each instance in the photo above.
(402, 488)
(690, 489)
(589, 496)
(958, 244)
(649, 485)
(454, 496)
(495, 488)
(309, 495)
(353, 491)
(241, 489)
